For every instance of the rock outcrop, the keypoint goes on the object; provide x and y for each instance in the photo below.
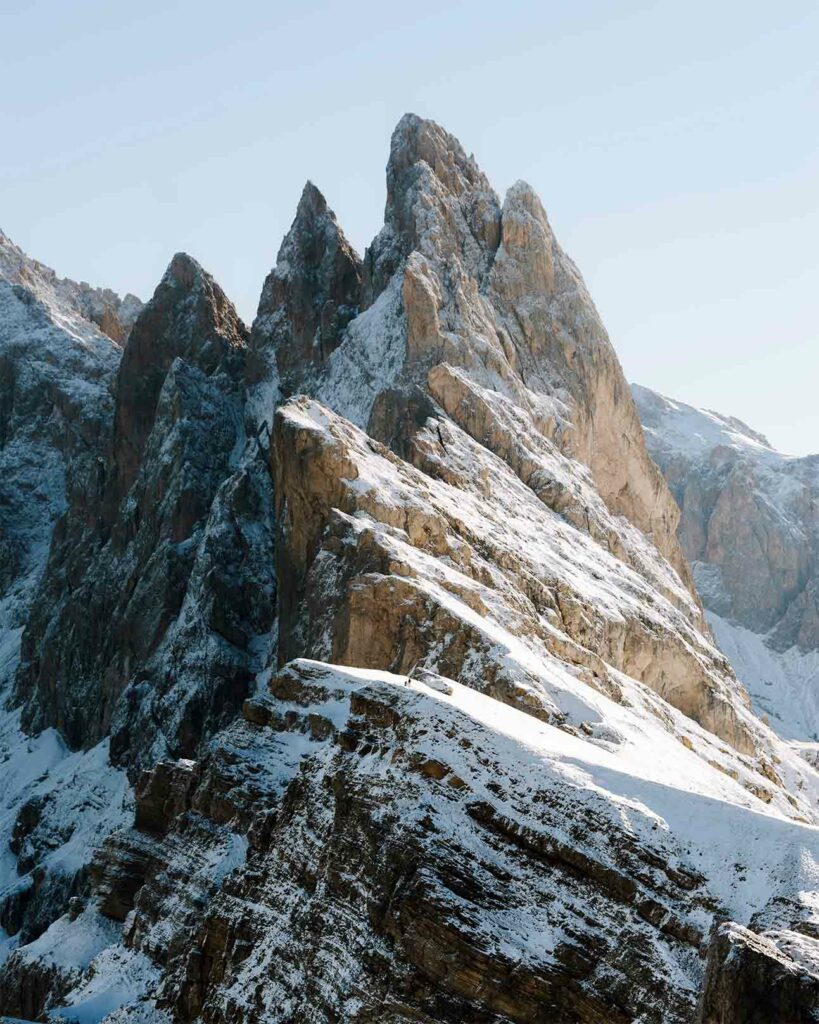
(308, 299)
(458, 281)
(54, 403)
(132, 623)
(362, 845)
(457, 565)
(755, 979)
(749, 527)
(56, 377)
(114, 316)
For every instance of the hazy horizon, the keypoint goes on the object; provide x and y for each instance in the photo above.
(674, 151)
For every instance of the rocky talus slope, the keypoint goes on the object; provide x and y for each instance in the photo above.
(380, 607)
(750, 529)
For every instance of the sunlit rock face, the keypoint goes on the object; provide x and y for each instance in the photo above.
(379, 607)
(749, 527)
(70, 303)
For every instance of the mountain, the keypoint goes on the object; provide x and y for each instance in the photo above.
(68, 302)
(57, 370)
(749, 527)
(377, 613)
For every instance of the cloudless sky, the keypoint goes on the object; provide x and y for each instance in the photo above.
(674, 146)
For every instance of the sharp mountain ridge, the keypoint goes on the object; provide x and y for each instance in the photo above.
(357, 672)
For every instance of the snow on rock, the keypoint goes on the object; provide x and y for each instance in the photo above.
(56, 371)
(489, 763)
(749, 528)
(70, 305)
(783, 685)
(308, 299)
(54, 400)
(411, 839)
(160, 578)
(464, 568)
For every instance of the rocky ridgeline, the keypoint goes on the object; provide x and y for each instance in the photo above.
(67, 300)
(748, 518)
(749, 528)
(57, 371)
(381, 607)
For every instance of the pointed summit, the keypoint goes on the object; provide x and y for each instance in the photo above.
(308, 298)
(439, 202)
(189, 316)
(312, 202)
(183, 271)
(416, 139)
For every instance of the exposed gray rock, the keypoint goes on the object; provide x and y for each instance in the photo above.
(747, 511)
(750, 527)
(131, 624)
(55, 402)
(537, 820)
(457, 284)
(327, 850)
(757, 979)
(56, 377)
(113, 315)
(308, 299)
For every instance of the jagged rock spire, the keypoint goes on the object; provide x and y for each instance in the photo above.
(158, 518)
(308, 298)
(189, 316)
(438, 202)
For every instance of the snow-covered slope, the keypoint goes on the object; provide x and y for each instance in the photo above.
(750, 529)
(784, 685)
(367, 843)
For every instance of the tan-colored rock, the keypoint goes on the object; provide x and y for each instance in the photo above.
(749, 519)
(387, 567)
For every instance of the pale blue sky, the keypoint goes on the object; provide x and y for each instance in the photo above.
(674, 146)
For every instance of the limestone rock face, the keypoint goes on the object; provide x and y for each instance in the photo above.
(188, 318)
(54, 403)
(369, 545)
(476, 317)
(133, 604)
(56, 371)
(749, 526)
(362, 843)
(455, 279)
(56, 376)
(747, 511)
(308, 299)
(114, 316)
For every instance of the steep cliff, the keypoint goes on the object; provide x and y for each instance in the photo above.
(750, 529)
(136, 620)
(56, 377)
